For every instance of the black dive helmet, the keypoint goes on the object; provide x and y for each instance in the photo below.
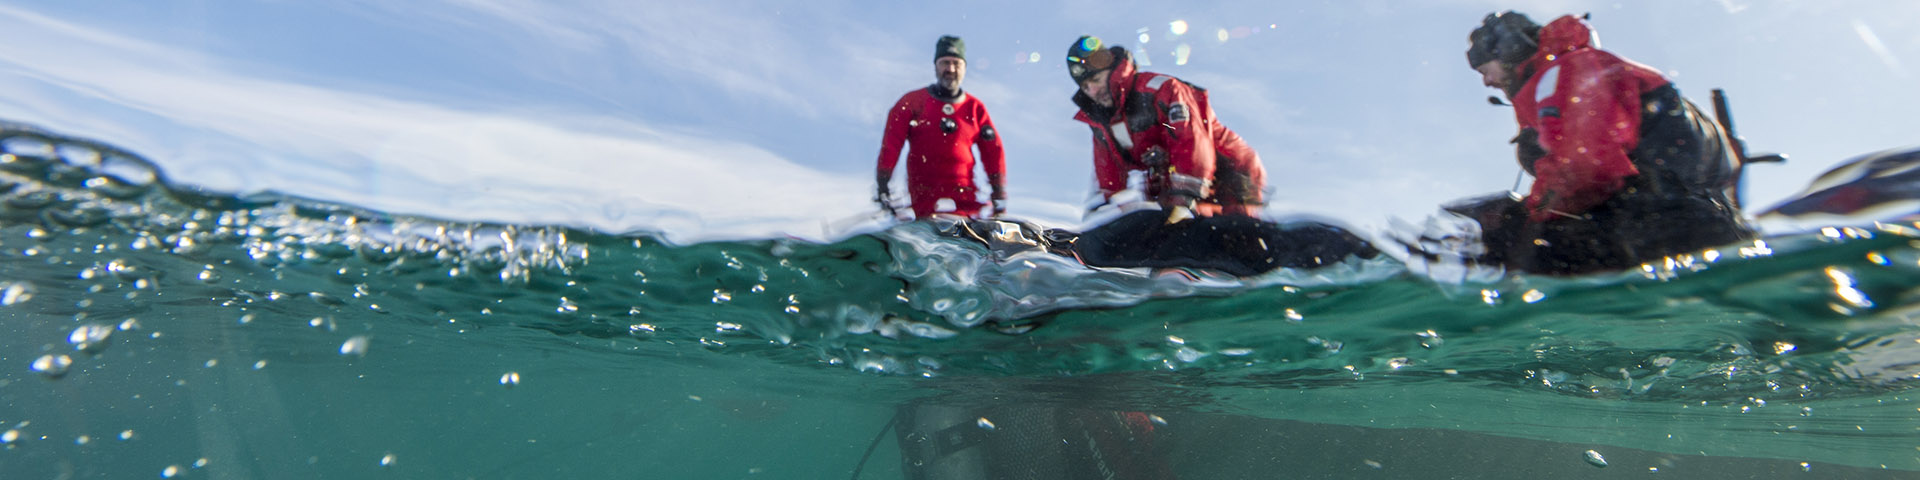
(1509, 37)
(1087, 57)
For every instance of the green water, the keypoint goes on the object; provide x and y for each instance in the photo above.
(215, 336)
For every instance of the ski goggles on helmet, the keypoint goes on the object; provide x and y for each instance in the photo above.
(1087, 57)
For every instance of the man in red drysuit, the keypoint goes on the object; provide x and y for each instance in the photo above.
(940, 125)
(1625, 169)
(1164, 129)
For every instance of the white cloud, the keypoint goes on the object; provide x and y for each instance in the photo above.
(406, 156)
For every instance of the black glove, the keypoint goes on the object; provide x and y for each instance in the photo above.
(884, 197)
(1527, 149)
(999, 201)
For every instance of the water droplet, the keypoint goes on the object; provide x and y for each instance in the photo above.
(53, 366)
(386, 460)
(9, 436)
(510, 379)
(1594, 458)
(642, 329)
(246, 319)
(200, 463)
(126, 435)
(721, 296)
(82, 440)
(1398, 363)
(567, 306)
(260, 364)
(1294, 315)
(170, 471)
(356, 346)
(129, 325)
(984, 423)
(1373, 464)
(90, 338)
(1805, 467)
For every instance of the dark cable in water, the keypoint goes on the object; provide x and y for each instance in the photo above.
(876, 443)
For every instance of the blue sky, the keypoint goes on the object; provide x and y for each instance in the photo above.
(741, 119)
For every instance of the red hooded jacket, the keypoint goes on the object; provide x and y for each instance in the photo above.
(1166, 128)
(940, 135)
(1585, 104)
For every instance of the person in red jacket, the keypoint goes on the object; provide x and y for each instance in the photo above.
(1163, 129)
(1625, 169)
(940, 125)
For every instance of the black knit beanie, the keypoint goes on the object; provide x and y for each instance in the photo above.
(950, 46)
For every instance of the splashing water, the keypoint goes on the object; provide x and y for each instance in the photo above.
(1799, 348)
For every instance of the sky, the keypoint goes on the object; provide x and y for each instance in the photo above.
(726, 119)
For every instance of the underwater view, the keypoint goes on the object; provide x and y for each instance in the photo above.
(282, 274)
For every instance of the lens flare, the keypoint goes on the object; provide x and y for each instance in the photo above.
(1178, 27)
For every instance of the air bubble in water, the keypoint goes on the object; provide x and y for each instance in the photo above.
(1533, 296)
(1430, 339)
(90, 338)
(9, 436)
(126, 435)
(53, 366)
(170, 471)
(12, 293)
(387, 460)
(1594, 458)
(356, 346)
(510, 379)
